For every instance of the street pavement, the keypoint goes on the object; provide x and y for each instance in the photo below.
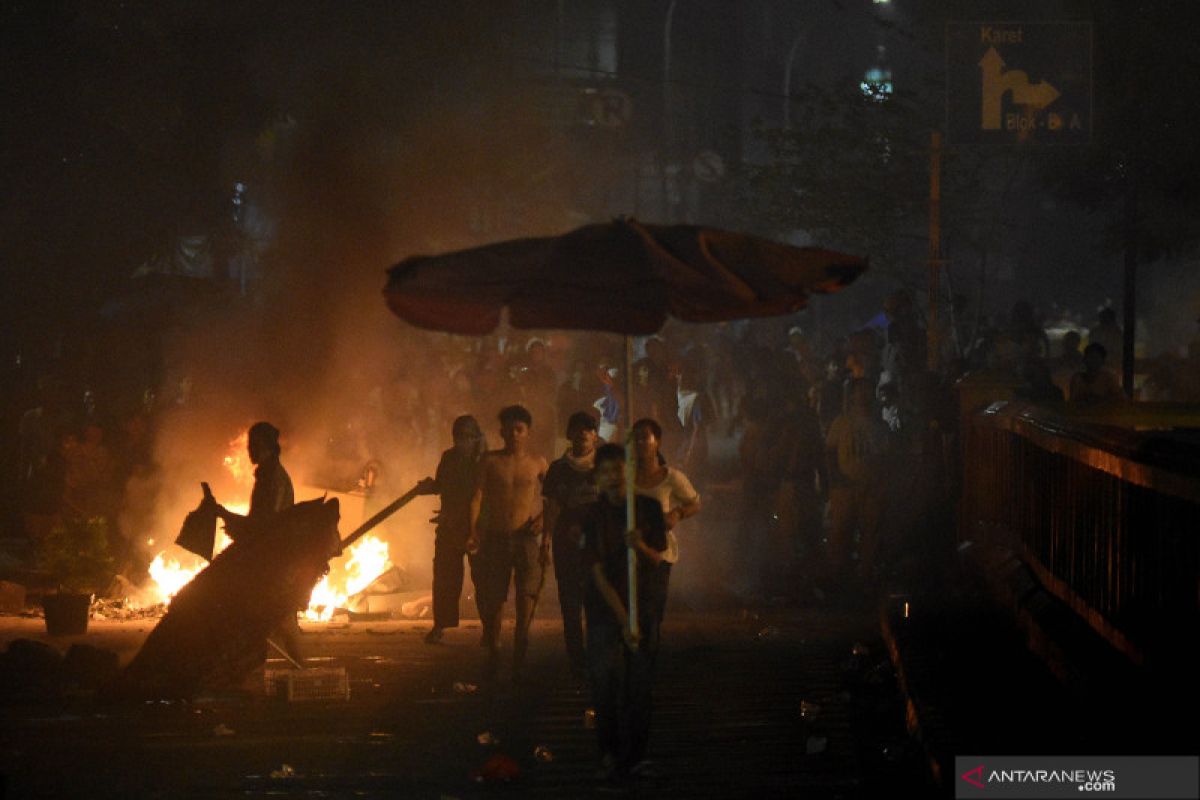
(749, 703)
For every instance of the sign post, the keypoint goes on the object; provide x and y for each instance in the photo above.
(1018, 82)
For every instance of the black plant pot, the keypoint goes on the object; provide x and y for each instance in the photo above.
(66, 614)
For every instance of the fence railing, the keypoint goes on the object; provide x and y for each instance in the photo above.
(1107, 517)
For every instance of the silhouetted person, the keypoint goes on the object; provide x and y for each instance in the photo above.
(1094, 384)
(1109, 335)
(569, 487)
(622, 677)
(1027, 333)
(457, 475)
(272, 493)
(538, 385)
(1068, 362)
(855, 446)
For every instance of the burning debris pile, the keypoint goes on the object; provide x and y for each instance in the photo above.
(173, 567)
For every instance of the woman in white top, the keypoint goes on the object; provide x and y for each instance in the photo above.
(670, 487)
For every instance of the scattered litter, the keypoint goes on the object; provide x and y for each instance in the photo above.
(486, 738)
(418, 609)
(809, 710)
(223, 730)
(284, 771)
(815, 745)
(768, 633)
(125, 609)
(465, 688)
(497, 769)
(543, 754)
(589, 718)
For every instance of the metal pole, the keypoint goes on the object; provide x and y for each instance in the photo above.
(1129, 302)
(666, 148)
(787, 82)
(933, 342)
(630, 486)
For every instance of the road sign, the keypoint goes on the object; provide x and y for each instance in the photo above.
(1018, 82)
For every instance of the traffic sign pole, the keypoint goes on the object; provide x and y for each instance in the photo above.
(933, 338)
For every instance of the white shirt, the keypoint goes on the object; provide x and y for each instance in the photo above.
(671, 492)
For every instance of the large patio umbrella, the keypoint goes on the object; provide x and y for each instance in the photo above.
(622, 277)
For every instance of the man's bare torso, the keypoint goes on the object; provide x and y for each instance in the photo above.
(512, 490)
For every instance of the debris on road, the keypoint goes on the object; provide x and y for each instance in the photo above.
(486, 738)
(497, 769)
(768, 633)
(543, 754)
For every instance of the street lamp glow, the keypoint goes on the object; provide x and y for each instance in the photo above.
(877, 83)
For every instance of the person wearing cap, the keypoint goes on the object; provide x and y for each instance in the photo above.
(567, 490)
(272, 493)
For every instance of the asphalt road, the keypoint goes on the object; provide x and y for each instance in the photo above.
(728, 720)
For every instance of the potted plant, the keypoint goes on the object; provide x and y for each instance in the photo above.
(75, 554)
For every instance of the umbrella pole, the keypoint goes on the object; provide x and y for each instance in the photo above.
(630, 497)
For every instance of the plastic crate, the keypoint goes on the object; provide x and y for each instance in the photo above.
(314, 684)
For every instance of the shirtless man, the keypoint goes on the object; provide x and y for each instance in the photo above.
(505, 533)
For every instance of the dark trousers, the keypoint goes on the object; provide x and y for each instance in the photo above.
(568, 572)
(622, 684)
(448, 575)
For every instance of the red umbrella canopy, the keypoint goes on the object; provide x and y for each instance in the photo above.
(623, 277)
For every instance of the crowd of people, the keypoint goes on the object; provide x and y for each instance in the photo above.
(841, 452)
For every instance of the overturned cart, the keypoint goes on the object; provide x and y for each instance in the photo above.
(216, 629)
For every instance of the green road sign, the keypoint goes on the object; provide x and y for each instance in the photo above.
(1018, 82)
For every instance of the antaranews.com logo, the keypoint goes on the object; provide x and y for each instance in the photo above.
(1166, 777)
(1083, 780)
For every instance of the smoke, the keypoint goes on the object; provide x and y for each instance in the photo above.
(384, 151)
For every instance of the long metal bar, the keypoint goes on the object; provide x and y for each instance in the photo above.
(630, 486)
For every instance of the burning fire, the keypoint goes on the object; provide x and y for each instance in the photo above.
(174, 568)
(238, 460)
(363, 563)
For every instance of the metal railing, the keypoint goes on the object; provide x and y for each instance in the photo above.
(1108, 518)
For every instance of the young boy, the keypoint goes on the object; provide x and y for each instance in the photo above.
(569, 488)
(621, 670)
(505, 528)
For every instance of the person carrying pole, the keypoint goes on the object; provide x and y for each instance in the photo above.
(620, 662)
